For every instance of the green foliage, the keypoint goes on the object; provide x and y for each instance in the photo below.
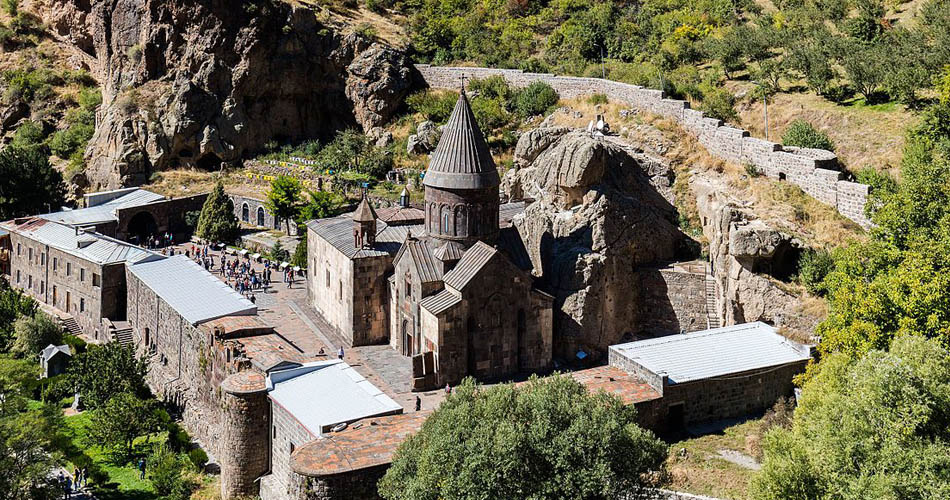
(535, 99)
(34, 333)
(547, 439)
(198, 458)
(433, 106)
(26, 447)
(283, 199)
(11, 7)
(103, 371)
(319, 205)
(366, 30)
(873, 427)
(70, 140)
(596, 99)
(720, 103)
(165, 473)
(29, 136)
(28, 184)
(353, 151)
(13, 304)
(278, 253)
(813, 266)
(217, 221)
(121, 419)
(299, 258)
(802, 134)
(29, 84)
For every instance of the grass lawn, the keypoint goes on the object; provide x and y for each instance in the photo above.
(695, 465)
(121, 480)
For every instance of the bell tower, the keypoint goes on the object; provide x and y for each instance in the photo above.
(364, 225)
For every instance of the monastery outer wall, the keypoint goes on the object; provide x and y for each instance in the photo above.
(253, 205)
(672, 301)
(810, 169)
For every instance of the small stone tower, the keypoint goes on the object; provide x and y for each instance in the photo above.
(461, 184)
(404, 197)
(245, 434)
(364, 225)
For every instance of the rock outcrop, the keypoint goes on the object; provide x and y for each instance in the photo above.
(748, 260)
(599, 215)
(424, 140)
(204, 82)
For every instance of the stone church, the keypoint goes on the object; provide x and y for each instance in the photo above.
(450, 285)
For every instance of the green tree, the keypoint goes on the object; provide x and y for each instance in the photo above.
(165, 473)
(299, 258)
(283, 199)
(872, 427)
(319, 205)
(804, 135)
(13, 304)
(217, 221)
(813, 266)
(122, 418)
(34, 333)
(547, 439)
(103, 371)
(535, 99)
(864, 68)
(353, 151)
(28, 184)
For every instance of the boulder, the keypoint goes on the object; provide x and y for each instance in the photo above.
(425, 139)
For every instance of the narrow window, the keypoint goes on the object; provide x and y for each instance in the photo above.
(43, 258)
(95, 279)
(340, 293)
(82, 304)
(30, 253)
(408, 288)
(18, 276)
(328, 278)
(69, 269)
(18, 248)
(82, 274)
(292, 448)
(55, 261)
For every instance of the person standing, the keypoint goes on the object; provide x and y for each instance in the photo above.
(418, 403)
(339, 353)
(141, 468)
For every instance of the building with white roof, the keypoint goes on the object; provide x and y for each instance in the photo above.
(307, 402)
(714, 374)
(78, 273)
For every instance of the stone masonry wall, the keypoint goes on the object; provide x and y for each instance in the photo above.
(246, 428)
(672, 301)
(257, 214)
(809, 169)
(357, 485)
(287, 435)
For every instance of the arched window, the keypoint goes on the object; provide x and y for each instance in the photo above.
(245, 212)
(460, 229)
(260, 216)
(433, 218)
(446, 218)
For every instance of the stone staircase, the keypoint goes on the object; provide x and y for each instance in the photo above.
(712, 305)
(70, 325)
(123, 333)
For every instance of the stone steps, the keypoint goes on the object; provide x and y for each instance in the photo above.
(712, 305)
(123, 336)
(71, 326)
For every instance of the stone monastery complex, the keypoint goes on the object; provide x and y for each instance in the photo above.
(413, 298)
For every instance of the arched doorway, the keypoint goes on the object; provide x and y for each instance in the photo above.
(260, 216)
(141, 226)
(245, 213)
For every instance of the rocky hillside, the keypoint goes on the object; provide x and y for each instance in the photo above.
(205, 82)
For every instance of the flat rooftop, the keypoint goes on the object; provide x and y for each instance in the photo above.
(612, 380)
(322, 394)
(712, 353)
(369, 443)
(190, 290)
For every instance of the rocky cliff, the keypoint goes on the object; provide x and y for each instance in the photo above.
(601, 212)
(204, 82)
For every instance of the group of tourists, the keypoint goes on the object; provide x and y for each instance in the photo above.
(160, 241)
(75, 483)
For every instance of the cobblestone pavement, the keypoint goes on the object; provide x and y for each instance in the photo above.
(287, 310)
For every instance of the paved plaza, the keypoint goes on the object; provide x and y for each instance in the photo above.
(287, 311)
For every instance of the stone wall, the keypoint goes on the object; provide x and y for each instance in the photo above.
(246, 436)
(287, 435)
(360, 484)
(672, 300)
(256, 214)
(168, 215)
(809, 169)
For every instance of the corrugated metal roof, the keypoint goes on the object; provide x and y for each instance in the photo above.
(462, 159)
(190, 290)
(364, 212)
(338, 231)
(51, 349)
(472, 262)
(401, 215)
(508, 211)
(440, 302)
(449, 251)
(326, 393)
(104, 212)
(714, 353)
(90, 246)
(425, 263)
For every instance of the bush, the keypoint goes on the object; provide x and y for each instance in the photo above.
(55, 389)
(198, 458)
(802, 134)
(164, 467)
(494, 86)
(30, 135)
(366, 30)
(813, 266)
(178, 438)
(719, 103)
(597, 99)
(535, 99)
(752, 171)
(433, 106)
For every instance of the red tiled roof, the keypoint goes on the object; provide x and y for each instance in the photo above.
(244, 382)
(370, 445)
(612, 380)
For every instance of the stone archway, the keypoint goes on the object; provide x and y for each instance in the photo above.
(260, 216)
(141, 226)
(245, 213)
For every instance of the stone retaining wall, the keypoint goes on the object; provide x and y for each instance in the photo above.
(810, 169)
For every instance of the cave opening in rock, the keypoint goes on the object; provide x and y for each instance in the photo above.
(209, 161)
(783, 265)
(142, 226)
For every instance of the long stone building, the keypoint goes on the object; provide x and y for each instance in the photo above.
(455, 292)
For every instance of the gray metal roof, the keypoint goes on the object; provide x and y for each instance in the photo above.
(508, 211)
(440, 302)
(462, 159)
(325, 393)
(449, 251)
(89, 246)
(364, 212)
(714, 353)
(51, 351)
(427, 268)
(190, 290)
(104, 212)
(472, 262)
(338, 231)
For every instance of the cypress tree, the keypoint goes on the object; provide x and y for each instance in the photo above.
(217, 221)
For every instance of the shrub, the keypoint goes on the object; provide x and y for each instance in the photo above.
(802, 134)
(366, 30)
(597, 99)
(11, 7)
(198, 458)
(494, 86)
(30, 135)
(719, 103)
(164, 468)
(55, 389)
(434, 106)
(752, 171)
(813, 266)
(178, 438)
(535, 99)
(68, 141)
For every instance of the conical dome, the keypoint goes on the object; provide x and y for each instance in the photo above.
(461, 160)
(364, 212)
